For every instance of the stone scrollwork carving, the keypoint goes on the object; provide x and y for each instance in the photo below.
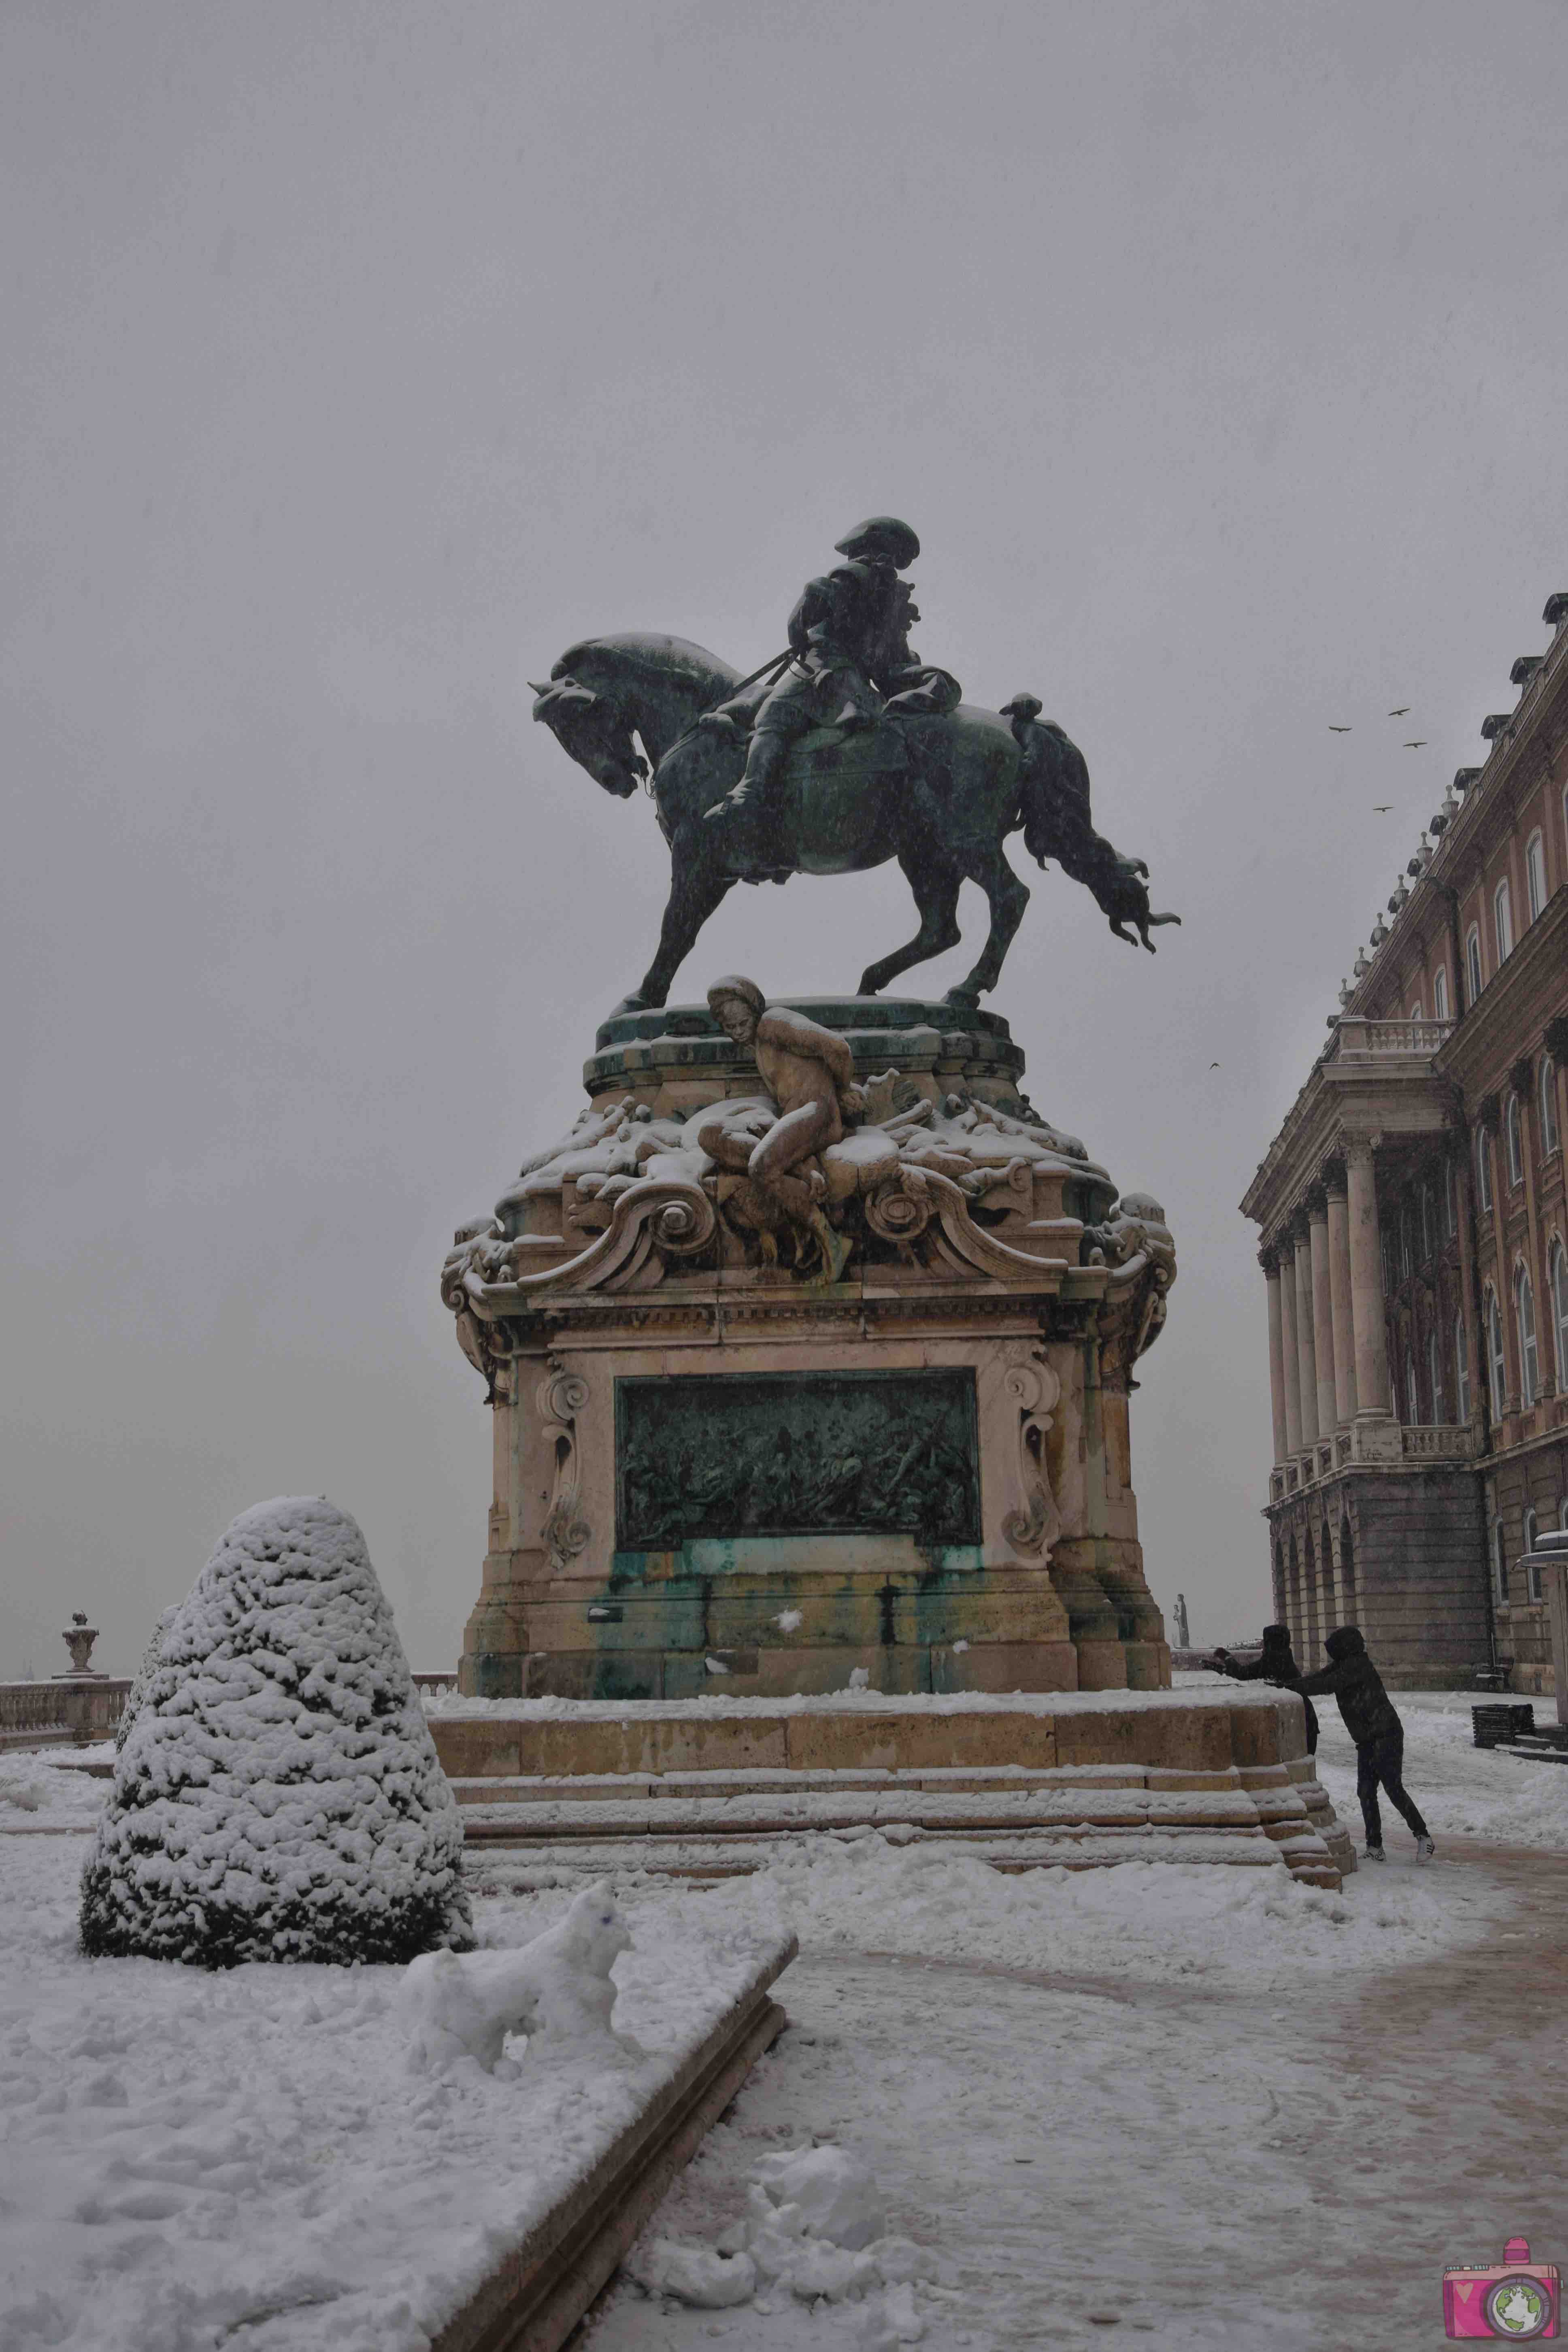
(1034, 1526)
(559, 1398)
(808, 1180)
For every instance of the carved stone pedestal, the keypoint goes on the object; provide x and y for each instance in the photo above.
(740, 1450)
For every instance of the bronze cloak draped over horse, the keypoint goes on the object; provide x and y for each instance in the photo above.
(939, 792)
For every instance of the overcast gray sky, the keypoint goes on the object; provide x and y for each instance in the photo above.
(358, 358)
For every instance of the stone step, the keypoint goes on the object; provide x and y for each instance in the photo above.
(547, 1861)
(1080, 1824)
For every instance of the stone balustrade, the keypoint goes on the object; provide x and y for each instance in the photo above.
(1418, 1442)
(1357, 1038)
(46, 1715)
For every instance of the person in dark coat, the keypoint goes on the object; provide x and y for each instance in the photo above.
(1276, 1665)
(1372, 1723)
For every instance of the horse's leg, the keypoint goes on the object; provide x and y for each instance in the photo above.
(1007, 898)
(697, 886)
(935, 885)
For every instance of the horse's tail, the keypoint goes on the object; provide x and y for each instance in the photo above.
(1053, 793)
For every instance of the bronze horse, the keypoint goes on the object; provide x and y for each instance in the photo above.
(939, 793)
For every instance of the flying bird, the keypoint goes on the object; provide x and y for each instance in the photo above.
(1337, 731)
(1214, 1066)
(1402, 711)
(1418, 745)
(1381, 808)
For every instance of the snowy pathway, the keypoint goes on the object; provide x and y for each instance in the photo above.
(1183, 2160)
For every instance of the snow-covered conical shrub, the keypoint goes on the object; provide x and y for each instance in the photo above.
(278, 1796)
(144, 1674)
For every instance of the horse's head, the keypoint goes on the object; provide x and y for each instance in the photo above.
(593, 729)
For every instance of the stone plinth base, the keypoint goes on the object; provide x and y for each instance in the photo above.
(883, 1436)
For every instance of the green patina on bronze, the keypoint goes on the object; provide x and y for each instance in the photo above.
(797, 1453)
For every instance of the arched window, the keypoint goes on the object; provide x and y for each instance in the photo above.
(1502, 919)
(1405, 1250)
(1428, 1224)
(1450, 1199)
(1435, 1372)
(1515, 1126)
(1440, 993)
(1549, 1136)
(1497, 1364)
(1412, 1397)
(1462, 1368)
(1473, 962)
(1533, 1571)
(1528, 1361)
(1535, 873)
(1559, 1266)
(1416, 1012)
(1500, 1565)
(1484, 1170)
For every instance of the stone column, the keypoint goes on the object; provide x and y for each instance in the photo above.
(1307, 1357)
(1339, 1289)
(1323, 1312)
(1289, 1350)
(1366, 1282)
(1489, 1117)
(1475, 1360)
(1269, 1260)
(1525, 1079)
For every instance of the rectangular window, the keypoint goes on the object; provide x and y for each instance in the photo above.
(1503, 921)
(1473, 964)
(1500, 1565)
(1535, 873)
(1450, 1201)
(1462, 1368)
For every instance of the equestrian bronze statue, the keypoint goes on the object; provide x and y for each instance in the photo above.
(841, 752)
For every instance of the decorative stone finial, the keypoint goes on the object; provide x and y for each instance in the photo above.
(1524, 668)
(1496, 724)
(79, 1640)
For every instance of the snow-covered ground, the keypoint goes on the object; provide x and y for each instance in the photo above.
(1142, 2096)
(195, 2159)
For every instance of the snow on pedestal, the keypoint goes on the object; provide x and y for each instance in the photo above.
(278, 1796)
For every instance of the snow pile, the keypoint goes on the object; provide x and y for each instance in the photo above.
(815, 2228)
(556, 1986)
(278, 1796)
(22, 1788)
(50, 1788)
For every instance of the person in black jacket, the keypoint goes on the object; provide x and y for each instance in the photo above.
(1371, 1721)
(1276, 1665)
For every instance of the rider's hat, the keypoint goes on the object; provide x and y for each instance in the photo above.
(882, 535)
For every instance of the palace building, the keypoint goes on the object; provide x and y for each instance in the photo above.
(1415, 1239)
